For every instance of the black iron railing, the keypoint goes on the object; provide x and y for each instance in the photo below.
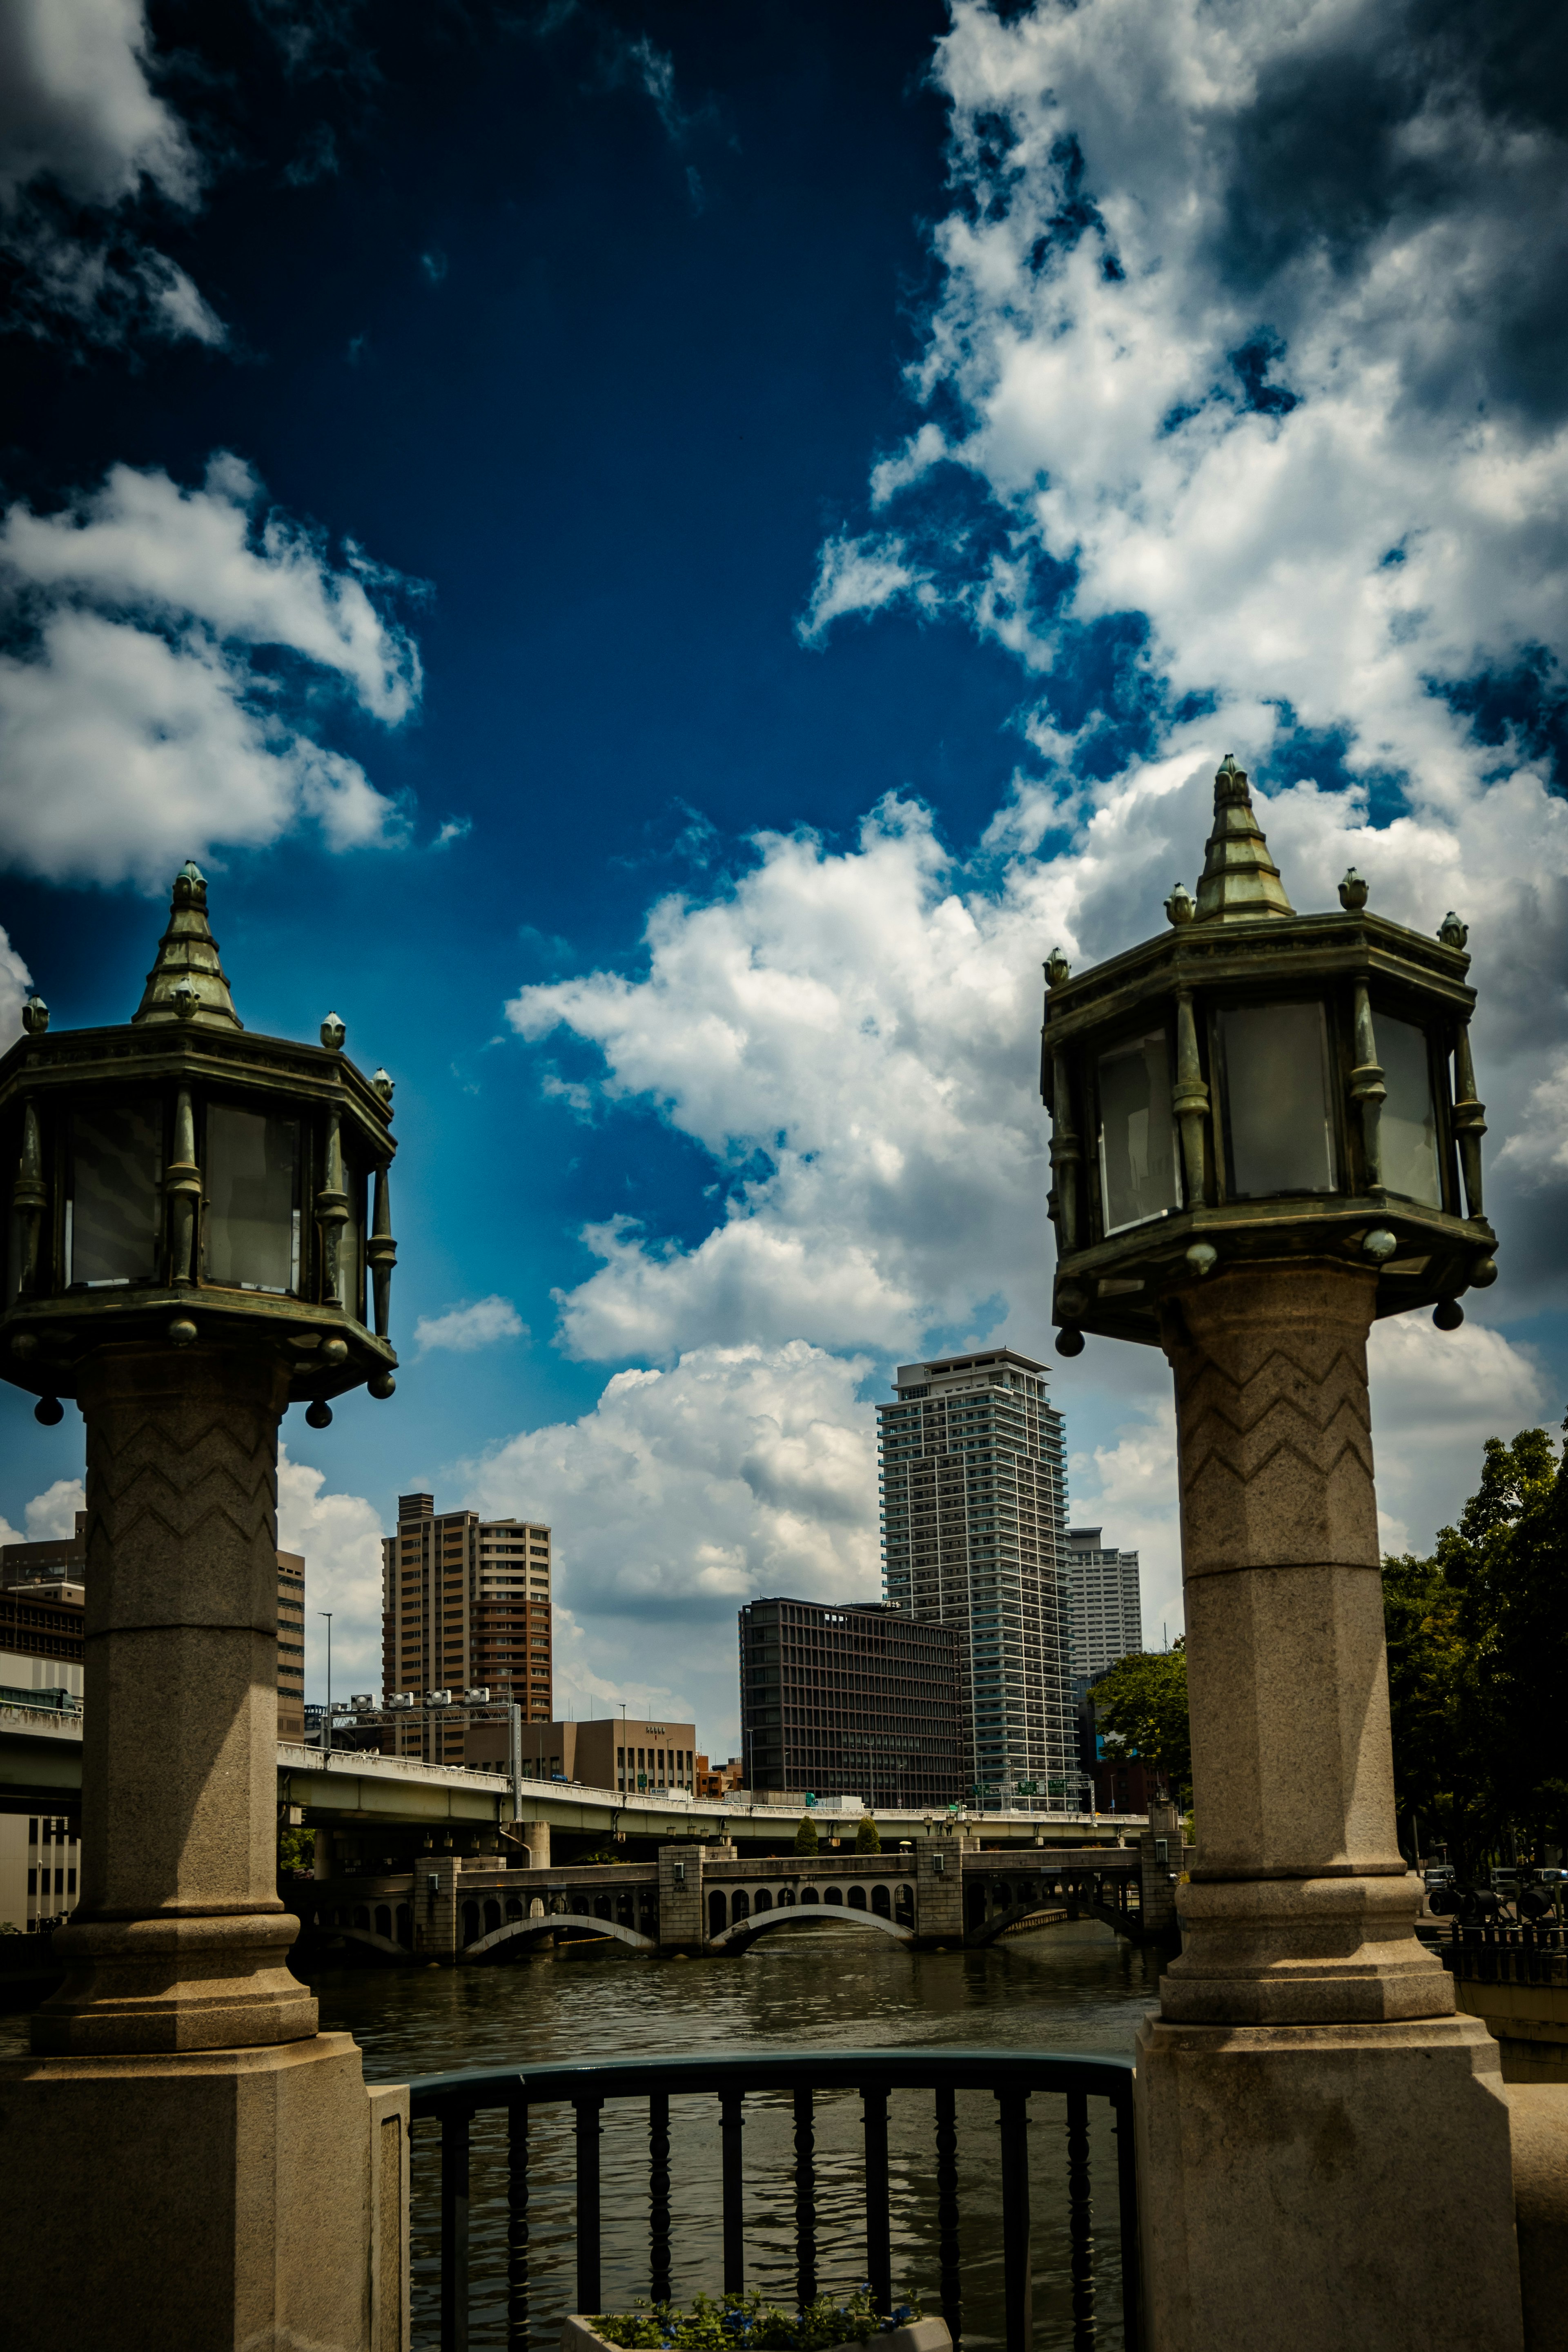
(1500, 1953)
(1013, 2077)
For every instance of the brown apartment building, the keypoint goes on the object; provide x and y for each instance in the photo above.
(465, 1605)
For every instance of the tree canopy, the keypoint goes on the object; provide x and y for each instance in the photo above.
(1143, 1703)
(867, 1837)
(805, 1835)
(1477, 1662)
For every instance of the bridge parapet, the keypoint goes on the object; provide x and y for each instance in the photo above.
(698, 1898)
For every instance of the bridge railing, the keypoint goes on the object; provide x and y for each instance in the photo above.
(1504, 1953)
(911, 2206)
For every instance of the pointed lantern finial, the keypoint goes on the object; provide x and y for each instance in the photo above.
(1240, 880)
(187, 982)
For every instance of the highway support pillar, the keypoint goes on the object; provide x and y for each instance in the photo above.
(184, 2155)
(1323, 2144)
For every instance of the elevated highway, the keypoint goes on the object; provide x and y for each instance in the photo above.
(377, 1813)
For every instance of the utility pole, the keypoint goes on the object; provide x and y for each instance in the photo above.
(327, 1719)
(514, 1758)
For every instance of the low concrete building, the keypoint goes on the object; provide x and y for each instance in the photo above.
(626, 1753)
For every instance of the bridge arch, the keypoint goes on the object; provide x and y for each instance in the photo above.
(524, 1930)
(800, 1916)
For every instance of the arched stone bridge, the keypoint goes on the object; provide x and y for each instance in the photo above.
(703, 1899)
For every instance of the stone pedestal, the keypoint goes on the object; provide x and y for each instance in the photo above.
(189, 2162)
(1324, 2144)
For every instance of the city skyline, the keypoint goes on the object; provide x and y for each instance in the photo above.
(661, 561)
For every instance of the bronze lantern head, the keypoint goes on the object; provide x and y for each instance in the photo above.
(1259, 1084)
(181, 1177)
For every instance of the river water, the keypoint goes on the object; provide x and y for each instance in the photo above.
(1072, 1987)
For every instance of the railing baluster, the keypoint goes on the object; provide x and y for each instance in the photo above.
(517, 2223)
(451, 2101)
(804, 2200)
(1017, 2266)
(947, 2212)
(455, 2230)
(588, 2105)
(1080, 2223)
(1127, 2202)
(730, 2126)
(659, 2193)
(878, 2237)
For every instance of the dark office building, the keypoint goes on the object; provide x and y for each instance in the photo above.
(853, 1702)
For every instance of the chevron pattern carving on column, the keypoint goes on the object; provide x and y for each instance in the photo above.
(1275, 1423)
(181, 1494)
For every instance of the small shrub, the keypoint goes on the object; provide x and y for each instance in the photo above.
(867, 1838)
(806, 1836)
(745, 2323)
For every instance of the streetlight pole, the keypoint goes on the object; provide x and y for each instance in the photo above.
(327, 1717)
(200, 1231)
(1265, 1133)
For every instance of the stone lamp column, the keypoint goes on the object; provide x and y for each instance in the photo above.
(189, 2163)
(1265, 1138)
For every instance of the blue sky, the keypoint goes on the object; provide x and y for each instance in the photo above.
(662, 559)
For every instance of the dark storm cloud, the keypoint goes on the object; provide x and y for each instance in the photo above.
(1404, 118)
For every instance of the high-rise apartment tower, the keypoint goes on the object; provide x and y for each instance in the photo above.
(973, 1523)
(1106, 1606)
(466, 1603)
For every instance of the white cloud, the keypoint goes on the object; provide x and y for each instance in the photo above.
(51, 1516)
(135, 723)
(738, 1471)
(82, 129)
(76, 104)
(463, 1328)
(852, 1034)
(340, 1536)
(862, 575)
(16, 987)
(1436, 1397)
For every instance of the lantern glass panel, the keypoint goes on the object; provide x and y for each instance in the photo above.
(111, 1214)
(252, 1185)
(1407, 1130)
(1277, 1114)
(1138, 1175)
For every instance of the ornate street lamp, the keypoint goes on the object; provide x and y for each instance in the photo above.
(200, 1236)
(182, 1178)
(1265, 1135)
(1256, 1086)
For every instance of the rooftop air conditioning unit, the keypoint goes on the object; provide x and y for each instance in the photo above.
(437, 1698)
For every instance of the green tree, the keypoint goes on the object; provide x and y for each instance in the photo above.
(806, 1836)
(1141, 1704)
(867, 1838)
(296, 1851)
(1507, 1564)
(1434, 1791)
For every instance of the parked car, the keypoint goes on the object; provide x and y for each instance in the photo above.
(1438, 1874)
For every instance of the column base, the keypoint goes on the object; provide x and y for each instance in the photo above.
(174, 1984)
(1302, 1951)
(1325, 2187)
(192, 2202)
